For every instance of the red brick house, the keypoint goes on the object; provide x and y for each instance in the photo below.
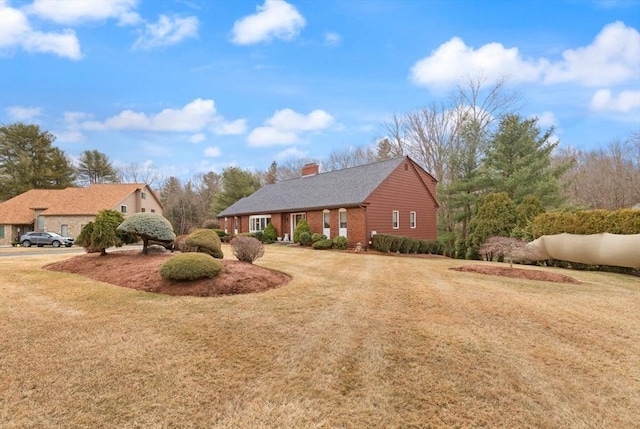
(387, 197)
(66, 211)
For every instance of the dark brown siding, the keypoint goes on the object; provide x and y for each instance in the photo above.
(405, 192)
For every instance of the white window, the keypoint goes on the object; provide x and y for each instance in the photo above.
(395, 219)
(343, 218)
(123, 209)
(412, 219)
(326, 219)
(258, 223)
(40, 222)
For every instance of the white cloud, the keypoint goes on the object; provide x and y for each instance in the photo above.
(79, 11)
(16, 32)
(195, 116)
(612, 57)
(546, 119)
(212, 152)
(332, 39)
(21, 113)
(287, 119)
(451, 60)
(291, 152)
(197, 138)
(604, 100)
(269, 136)
(285, 125)
(167, 31)
(274, 19)
(239, 126)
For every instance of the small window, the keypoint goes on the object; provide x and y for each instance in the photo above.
(40, 222)
(343, 218)
(412, 219)
(123, 209)
(153, 210)
(395, 219)
(1, 231)
(143, 209)
(143, 195)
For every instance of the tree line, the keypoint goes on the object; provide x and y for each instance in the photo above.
(475, 144)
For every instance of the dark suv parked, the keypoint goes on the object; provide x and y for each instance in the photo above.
(45, 239)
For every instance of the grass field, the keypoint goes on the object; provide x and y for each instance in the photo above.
(354, 341)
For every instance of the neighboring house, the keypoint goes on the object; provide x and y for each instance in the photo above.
(66, 211)
(387, 197)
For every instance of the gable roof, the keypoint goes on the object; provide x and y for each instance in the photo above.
(65, 202)
(340, 188)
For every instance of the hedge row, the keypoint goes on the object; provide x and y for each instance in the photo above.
(623, 221)
(394, 243)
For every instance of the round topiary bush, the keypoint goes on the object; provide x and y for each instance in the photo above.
(190, 266)
(323, 244)
(341, 243)
(205, 241)
(304, 238)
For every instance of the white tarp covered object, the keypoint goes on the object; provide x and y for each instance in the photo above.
(594, 249)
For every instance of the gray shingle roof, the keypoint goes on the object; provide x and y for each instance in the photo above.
(339, 188)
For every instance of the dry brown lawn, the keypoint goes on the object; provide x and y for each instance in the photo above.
(353, 341)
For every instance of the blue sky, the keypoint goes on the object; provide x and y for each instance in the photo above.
(191, 86)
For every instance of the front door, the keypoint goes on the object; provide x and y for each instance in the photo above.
(295, 218)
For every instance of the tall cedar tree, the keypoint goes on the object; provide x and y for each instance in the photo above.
(519, 163)
(236, 184)
(29, 161)
(95, 167)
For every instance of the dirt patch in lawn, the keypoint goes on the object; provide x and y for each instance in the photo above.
(137, 271)
(517, 273)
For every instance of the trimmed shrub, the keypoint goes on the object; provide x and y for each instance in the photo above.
(382, 242)
(396, 242)
(211, 224)
(423, 246)
(623, 221)
(415, 247)
(148, 226)
(317, 237)
(341, 243)
(258, 235)
(301, 227)
(322, 244)
(406, 245)
(270, 234)
(304, 238)
(190, 266)
(247, 249)
(221, 233)
(205, 241)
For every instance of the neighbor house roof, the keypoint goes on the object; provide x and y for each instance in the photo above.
(340, 188)
(65, 202)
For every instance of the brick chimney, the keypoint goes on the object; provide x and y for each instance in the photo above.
(310, 169)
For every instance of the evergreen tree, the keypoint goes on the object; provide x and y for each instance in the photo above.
(236, 184)
(95, 167)
(29, 161)
(518, 162)
(271, 176)
(495, 215)
(102, 233)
